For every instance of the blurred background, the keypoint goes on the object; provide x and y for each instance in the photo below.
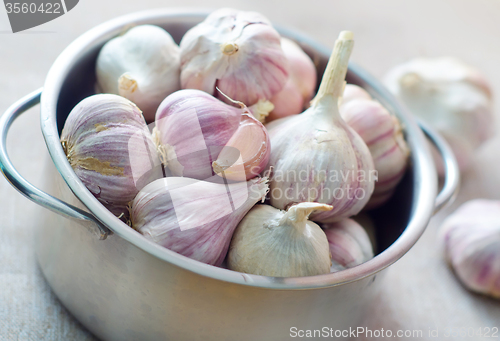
(419, 291)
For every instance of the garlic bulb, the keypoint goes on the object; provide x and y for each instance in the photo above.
(142, 65)
(194, 218)
(238, 52)
(316, 156)
(472, 245)
(299, 88)
(383, 135)
(109, 147)
(270, 242)
(352, 92)
(349, 244)
(196, 131)
(452, 97)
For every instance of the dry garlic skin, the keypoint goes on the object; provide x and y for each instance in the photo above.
(471, 237)
(349, 244)
(194, 218)
(143, 65)
(451, 96)
(271, 242)
(239, 52)
(110, 148)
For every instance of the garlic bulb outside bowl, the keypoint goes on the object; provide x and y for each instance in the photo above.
(143, 65)
(471, 237)
(451, 96)
(111, 150)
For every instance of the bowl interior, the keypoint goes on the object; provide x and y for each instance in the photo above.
(399, 223)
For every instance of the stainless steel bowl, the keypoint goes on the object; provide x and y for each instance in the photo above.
(124, 287)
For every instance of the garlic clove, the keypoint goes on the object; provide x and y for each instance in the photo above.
(471, 237)
(194, 218)
(299, 88)
(316, 156)
(192, 127)
(239, 52)
(349, 244)
(247, 152)
(383, 135)
(270, 242)
(143, 65)
(108, 145)
(450, 96)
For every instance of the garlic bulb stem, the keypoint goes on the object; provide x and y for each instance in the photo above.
(297, 215)
(333, 82)
(229, 48)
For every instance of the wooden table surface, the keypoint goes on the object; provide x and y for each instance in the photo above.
(419, 292)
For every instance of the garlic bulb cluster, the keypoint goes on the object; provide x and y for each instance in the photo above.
(194, 218)
(239, 52)
(349, 243)
(316, 156)
(199, 136)
(472, 245)
(452, 97)
(109, 147)
(270, 242)
(383, 135)
(301, 83)
(143, 65)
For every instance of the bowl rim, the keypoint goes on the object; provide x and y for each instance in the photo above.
(424, 180)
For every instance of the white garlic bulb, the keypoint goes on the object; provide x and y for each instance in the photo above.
(192, 217)
(316, 156)
(349, 243)
(452, 97)
(472, 245)
(238, 52)
(111, 150)
(143, 65)
(383, 135)
(270, 242)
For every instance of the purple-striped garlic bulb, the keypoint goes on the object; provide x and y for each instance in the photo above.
(271, 242)
(194, 218)
(200, 136)
(349, 244)
(471, 238)
(299, 89)
(142, 65)
(239, 52)
(111, 150)
(451, 96)
(383, 135)
(352, 92)
(316, 156)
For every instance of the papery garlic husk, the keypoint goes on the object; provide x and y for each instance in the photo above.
(471, 238)
(383, 135)
(452, 97)
(194, 128)
(299, 89)
(352, 92)
(239, 52)
(368, 224)
(349, 244)
(316, 156)
(271, 242)
(194, 218)
(111, 150)
(142, 65)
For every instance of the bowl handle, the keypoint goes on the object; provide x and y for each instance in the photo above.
(27, 189)
(451, 170)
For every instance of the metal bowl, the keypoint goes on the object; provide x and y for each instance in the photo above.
(124, 287)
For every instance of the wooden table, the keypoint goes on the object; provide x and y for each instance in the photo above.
(419, 292)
